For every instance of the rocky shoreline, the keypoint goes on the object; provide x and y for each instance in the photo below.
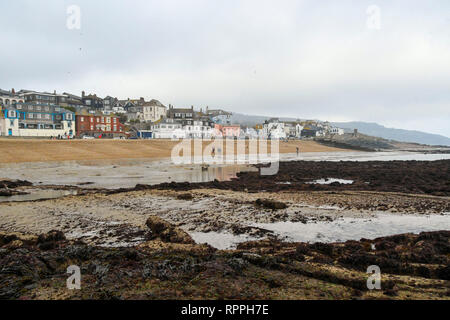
(413, 267)
(416, 177)
(136, 243)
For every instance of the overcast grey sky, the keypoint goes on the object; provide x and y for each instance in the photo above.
(310, 59)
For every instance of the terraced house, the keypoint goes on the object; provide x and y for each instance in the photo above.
(99, 125)
(36, 120)
(9, 97)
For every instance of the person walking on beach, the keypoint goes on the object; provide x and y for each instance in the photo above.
(298, 151)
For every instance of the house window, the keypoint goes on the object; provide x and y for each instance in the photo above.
(47, 116)
(11, 114)
(82, 119)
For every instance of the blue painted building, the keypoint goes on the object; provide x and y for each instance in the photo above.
(36, 120)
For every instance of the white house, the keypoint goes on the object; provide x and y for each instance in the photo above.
(274, 129)
(119, 110)
(153, 111)
(337, 131)
(293, 129)
(198, 129)
(168, 129)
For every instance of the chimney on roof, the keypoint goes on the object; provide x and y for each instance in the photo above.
(54, 91)
(13, 92)
(83, 94)
(192, 107)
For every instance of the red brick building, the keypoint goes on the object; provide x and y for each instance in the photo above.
(98, 125)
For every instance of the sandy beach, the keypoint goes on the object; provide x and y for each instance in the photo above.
(29, 150)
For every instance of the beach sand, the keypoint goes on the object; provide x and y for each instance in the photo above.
(31, 150)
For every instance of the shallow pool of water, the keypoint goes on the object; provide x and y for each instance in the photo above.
(118, 174)
(364, 156)
(127, 173)
(340, 230)
(38, 195)
(330, 181)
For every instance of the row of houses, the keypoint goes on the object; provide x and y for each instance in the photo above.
(41, 120)
(300, 129)
(30, 113)
(41, 114)
(181, 123)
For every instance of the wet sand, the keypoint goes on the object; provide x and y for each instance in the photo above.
(126, 173)
(119, 219)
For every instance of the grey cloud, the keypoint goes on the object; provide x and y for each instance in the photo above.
(288, 58)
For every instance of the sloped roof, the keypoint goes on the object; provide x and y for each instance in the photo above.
(154, 102)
